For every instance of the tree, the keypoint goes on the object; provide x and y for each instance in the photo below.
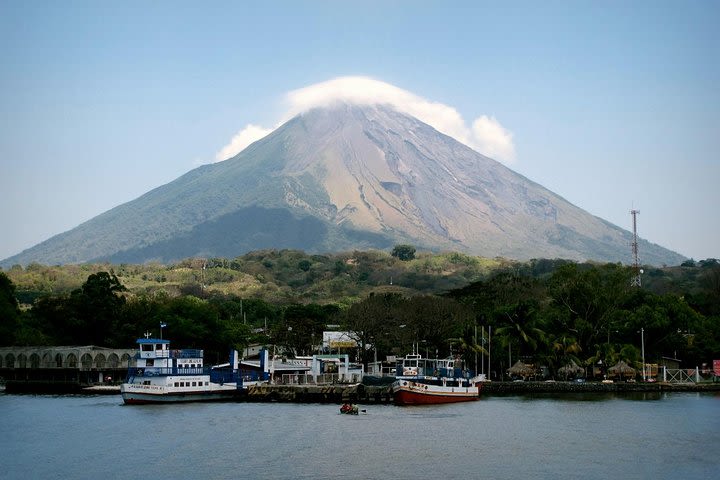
(518, 325)
(563, 349)
(90, 315)
(8, 310)
(375, 321)
(98, 305)
(235, 333)
(586, 300)
(436, 321)
(53, 322)
(404, 252)
(302, 327)
(467, 347)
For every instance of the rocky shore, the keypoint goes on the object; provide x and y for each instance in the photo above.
(369, 394)
(524, 388)
(320, 393)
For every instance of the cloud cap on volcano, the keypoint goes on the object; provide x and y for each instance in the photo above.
(486, 135)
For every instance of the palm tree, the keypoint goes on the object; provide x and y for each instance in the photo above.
(605, 353)
(518, 326)
(466, 345)
(564, 348)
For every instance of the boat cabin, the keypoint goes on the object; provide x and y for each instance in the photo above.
(154, 357)
(153, 348)
(414, 365)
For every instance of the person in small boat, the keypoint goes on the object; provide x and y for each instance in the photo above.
(349, 408)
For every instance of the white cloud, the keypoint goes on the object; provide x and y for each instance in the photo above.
(492, 139)
(246, 136)
(486, 135)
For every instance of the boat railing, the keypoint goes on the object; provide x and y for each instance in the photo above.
(322, 379)
(437, 372)
(161, 371)
(187, 353)
(216, 375)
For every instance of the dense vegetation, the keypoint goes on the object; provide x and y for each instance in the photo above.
(276, 276)
(545, 311)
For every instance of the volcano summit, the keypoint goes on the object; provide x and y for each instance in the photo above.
(340, 178)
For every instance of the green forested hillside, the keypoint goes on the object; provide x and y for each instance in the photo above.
(547, 312)
(278, 276)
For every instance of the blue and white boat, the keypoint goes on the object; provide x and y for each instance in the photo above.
(162, 375)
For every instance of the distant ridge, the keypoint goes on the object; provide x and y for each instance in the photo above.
(343, 178)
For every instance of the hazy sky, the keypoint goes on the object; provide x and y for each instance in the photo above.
(613, 105)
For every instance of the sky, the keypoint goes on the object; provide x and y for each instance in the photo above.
(613, 105)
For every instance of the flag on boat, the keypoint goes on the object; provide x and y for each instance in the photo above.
(163, 324)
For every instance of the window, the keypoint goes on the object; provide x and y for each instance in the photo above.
(146, 347)
(194, 384)
(177, 384)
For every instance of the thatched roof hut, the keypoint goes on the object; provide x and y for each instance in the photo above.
(521, 369)
(622, 369)
(571, 369)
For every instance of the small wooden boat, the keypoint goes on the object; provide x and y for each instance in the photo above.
(349, 409)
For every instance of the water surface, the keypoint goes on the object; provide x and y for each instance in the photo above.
(672, 435)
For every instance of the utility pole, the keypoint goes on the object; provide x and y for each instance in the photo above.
(482, 359)
(642, 343)
(475, 340)
(635, 282)
(489, 347)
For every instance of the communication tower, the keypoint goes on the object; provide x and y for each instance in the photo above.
(635, 282)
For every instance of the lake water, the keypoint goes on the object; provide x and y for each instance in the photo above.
(657, 436)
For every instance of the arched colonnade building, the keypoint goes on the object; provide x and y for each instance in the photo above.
(82, 365)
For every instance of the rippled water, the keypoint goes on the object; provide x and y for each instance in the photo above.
(590, 436)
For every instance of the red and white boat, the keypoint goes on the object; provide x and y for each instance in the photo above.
(423, 381)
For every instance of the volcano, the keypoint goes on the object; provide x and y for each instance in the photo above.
(342, 178)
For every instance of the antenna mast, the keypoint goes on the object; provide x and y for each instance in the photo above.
(635, 282)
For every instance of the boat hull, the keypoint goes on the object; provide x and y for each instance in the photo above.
(138, 396)
(413, 393)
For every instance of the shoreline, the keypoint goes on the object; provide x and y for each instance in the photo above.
(369, 394)
(522, 388)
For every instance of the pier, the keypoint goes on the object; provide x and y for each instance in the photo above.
(377, 394)
(358, 393)
(382, 394)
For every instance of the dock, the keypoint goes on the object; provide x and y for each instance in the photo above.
(358, 393)
(382, 394)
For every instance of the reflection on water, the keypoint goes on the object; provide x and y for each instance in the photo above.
(593, 436)
(592, 397)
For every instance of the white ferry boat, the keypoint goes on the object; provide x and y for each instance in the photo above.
(162, 375)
